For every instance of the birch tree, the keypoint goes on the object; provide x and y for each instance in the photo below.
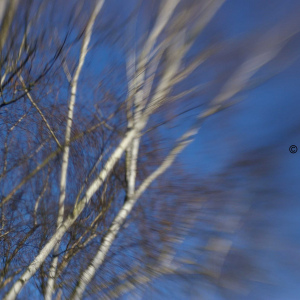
(65, 159)
(98, 139)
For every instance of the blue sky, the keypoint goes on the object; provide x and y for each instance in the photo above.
(266, 122)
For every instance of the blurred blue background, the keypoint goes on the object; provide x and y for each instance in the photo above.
(252, 140)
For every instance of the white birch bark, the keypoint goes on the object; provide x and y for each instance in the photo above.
(66, 151)
(6, 18)
(96, 184)
(163, 18)
(89, 273)
(137, 89)
(132, 155)
(3, 5)
(186, 138)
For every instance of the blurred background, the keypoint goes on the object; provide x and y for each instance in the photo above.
(244, 154)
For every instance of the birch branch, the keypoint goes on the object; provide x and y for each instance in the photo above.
(66, 151)
(137, 85)
(69, 221)
(46, 161)
(39, 111)
(7, 20)
(89, 273)
(186, 138)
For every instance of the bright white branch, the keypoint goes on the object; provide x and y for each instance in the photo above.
(89, 273)
(96, 184)
(66, 151)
